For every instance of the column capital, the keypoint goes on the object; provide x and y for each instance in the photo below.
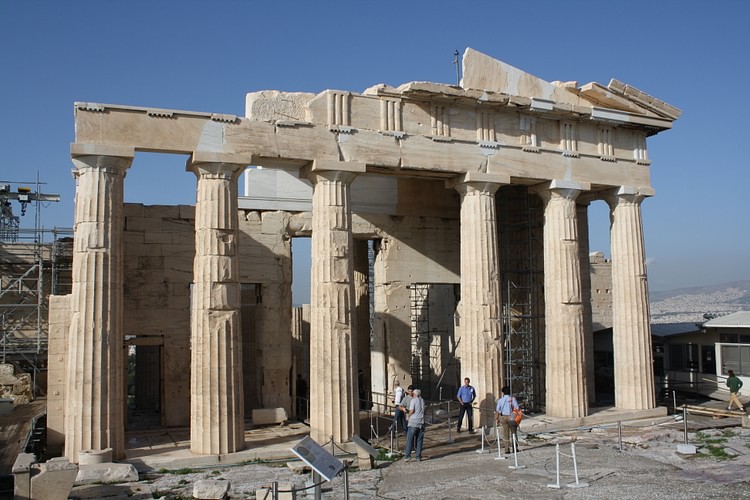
(481, 181)
(562, 188)
(219, 157)
(116, 159)
(356, 167)
(220, 165)
(628, 193)
(333, 170)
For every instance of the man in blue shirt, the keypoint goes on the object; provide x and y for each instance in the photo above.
(466, 395)
(503, 410)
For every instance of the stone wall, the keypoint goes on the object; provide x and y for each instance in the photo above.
(601, 291)
(159, 248)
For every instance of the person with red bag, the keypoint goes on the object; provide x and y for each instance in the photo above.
(506, 406)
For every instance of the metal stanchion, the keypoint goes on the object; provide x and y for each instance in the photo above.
(481, 450)
(557, 468)
(685, 447)
(346, 480)
(372, 429)
(318, 490)
(684, 423)
(577, 484)
(514, 440)
(499, 456)
(391, 452)
(450, 427)
(619, 432)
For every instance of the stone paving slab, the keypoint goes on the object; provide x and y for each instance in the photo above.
(647, 466)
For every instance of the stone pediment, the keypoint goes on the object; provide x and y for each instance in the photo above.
(484, 73)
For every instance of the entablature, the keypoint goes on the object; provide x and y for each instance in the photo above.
(519, 126)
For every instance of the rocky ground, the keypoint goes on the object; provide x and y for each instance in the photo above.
(638, 461)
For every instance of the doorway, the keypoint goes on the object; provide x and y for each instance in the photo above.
(144, 384)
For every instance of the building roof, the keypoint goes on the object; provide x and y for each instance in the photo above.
(669, 329)
(739, 319)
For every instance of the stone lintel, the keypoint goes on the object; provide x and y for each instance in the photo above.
(477, 177)
(81, 149)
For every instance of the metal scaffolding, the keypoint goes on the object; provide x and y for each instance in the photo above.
(433, 346)
(521, 248)
(34, 263)
(420, 361)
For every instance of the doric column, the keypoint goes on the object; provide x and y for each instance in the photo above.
(216, 404)
(94, 400)
(563, 307)
(631, 331)
(582, 210)
(391, 343)
(334, 410)
(479, 310)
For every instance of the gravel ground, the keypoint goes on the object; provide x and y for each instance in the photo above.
(648, 466)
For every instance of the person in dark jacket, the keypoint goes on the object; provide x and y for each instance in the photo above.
(734, 383)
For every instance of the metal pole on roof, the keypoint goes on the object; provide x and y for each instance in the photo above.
(455, 61)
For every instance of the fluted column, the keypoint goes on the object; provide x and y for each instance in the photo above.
(631, 331)
(563, 309)
(334, 409)
(95, 375)
(216, 404)
(479, 310)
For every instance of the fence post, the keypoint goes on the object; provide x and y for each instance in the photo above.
(577, 484)
(450, 427)
(557, 468)
(513, 439)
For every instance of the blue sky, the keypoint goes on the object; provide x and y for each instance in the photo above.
(204, 56)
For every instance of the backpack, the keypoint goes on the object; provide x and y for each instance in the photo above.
(516, 415)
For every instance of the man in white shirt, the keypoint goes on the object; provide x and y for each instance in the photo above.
(399, 417)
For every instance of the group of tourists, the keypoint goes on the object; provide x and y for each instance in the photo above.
(409, 415)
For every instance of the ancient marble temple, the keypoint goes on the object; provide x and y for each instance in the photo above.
(402, 190)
